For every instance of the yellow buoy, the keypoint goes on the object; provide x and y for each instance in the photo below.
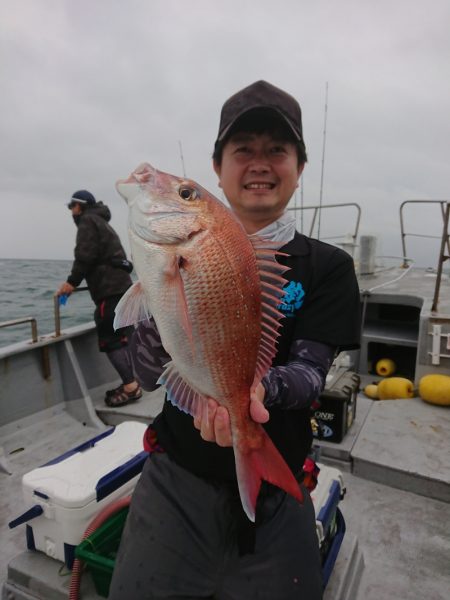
(385, 367)
(371, 391)
(394, 388)
(435, 389)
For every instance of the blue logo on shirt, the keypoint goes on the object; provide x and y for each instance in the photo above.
(293, 298)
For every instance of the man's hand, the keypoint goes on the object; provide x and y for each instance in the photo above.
(214, 422)
(65, 289)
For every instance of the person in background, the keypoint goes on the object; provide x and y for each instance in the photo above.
(186, 535)
(101, 260)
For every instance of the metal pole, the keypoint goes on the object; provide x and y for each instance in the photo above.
(403, 234)
(442, 258)
(57, 315)
(34, 333)
(57, 312)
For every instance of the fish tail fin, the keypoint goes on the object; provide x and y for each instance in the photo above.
(263, 463)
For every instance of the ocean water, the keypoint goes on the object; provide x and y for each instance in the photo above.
(26, 290)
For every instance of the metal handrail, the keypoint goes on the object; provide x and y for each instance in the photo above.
(444, 237)
(319, 207)
(32, 320)
(57, 311)
(442, 258)
(443, 204)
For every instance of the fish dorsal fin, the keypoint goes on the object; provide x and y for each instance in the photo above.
(132, 307)
(272, 294)
(180, 393)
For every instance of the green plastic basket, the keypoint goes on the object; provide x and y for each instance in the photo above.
(98, 551)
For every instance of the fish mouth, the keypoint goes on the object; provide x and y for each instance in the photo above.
(143, 174)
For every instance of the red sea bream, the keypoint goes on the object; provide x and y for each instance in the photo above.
(213, 294)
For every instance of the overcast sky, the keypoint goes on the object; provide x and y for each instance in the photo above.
(92, 88)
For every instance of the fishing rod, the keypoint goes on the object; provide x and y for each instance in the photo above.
(323, 158)
(182, 158)
(301, 205)
(301, 200)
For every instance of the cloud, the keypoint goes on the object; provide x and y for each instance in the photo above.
(91, 89)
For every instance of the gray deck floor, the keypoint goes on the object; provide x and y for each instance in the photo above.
(406, 443)
(405, 540)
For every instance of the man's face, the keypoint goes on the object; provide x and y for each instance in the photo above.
(258, 175)
(76, 209)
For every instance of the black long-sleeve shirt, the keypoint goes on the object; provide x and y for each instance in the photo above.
(295, 385)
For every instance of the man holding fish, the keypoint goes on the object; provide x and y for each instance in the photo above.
(240, 317)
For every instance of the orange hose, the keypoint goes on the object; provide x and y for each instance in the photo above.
(96, 522)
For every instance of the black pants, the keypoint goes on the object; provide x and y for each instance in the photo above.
(108, 339)
(180, 543)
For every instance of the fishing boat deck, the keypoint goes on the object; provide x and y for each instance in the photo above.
(404, 537)
(394, 458)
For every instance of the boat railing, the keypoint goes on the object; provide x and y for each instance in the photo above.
(33, 320)
(444, 204)
(56, 309)
(444, 237)
(21, 321)
(317, 211)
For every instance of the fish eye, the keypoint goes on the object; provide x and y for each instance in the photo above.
(187, 193)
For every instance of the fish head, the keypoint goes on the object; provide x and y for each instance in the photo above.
(163, 208)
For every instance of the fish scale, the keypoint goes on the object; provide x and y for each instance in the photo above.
(232, 349)
(213, 294)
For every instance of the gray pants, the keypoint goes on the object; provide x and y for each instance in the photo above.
(180, 543)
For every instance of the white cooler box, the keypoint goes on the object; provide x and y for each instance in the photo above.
(330, 524)
(69, 491)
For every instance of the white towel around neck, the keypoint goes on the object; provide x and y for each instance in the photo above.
(281, 230)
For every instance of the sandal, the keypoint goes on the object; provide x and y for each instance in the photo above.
(112, 392)
(120, 397)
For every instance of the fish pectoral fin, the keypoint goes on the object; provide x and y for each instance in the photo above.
(181, 393)
(132, 307)
(175, 283)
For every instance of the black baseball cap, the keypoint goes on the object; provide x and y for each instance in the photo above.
(82, 197)
(261, 95)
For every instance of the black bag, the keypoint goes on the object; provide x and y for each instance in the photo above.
(122, 263)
